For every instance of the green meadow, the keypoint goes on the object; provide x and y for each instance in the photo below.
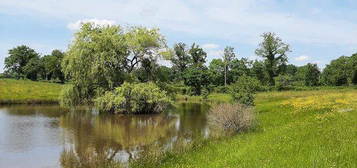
(28, 92)
(294, 129)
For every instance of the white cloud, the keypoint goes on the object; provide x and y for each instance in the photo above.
(97, 22)
(235, 20)
(302, 58)
(210, 46)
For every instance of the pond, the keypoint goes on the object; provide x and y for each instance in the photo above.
(44, 136)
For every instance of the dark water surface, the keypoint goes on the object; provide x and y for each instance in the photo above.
(42, 136)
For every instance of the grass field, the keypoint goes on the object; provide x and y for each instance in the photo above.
(296, 129)
(28, 92)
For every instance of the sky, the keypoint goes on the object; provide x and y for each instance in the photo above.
(317, 31)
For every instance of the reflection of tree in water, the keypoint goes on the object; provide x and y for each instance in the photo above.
(105, 139)
(51, 111)
(193, 120)
(99, 138)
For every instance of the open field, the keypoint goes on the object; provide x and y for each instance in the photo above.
(296, 129)
(28, 92)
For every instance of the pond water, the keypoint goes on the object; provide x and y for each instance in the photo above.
(44, 136)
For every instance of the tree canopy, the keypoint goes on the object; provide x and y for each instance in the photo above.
(274, 51)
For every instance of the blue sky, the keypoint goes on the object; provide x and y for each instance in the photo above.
(317, 30)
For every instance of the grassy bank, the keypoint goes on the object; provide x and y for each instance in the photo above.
(296, 129)
(28, 92)
(212, 98)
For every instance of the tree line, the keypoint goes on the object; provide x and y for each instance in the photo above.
(101, 58)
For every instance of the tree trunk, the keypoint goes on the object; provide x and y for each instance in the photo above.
(225, 75)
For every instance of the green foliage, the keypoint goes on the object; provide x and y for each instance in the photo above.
(197, 54)
(71, 95)
(205, 93)
(221, 89)
(52, 66)
(312, 75)
(216, 69)
(338, 72)
(142, 44)
(283, 82)
(32, 68)
(258, 71)
(274, 51)
(180, 60)
(102, 57)
(17, 60)
(244, 89)
(238, 68)
(197, 77)
(132, 98)
(95, 60)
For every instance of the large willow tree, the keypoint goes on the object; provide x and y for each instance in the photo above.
(100, 58)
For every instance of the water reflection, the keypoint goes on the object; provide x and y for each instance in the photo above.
(82, 138)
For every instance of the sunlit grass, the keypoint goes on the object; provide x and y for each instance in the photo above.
(296, 129)
(25, 91)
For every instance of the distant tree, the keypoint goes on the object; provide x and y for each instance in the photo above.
(228, 57)
(244, 88)
(198, 56)
(180, 59)
(18, 59)
(259, 72)
(338, 72)
(283, 82)
(32, 68)
(274, 51)
(354, 68)
(291, 69)
(52, 65)
(239, 67)
(197, 77)
(216, 68)
(312, 75)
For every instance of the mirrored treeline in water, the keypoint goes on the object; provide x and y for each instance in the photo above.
(51, 136)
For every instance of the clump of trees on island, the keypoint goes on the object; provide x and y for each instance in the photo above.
(100, 59)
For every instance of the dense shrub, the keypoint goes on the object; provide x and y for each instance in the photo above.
(133, 99)
(283, 82)
(231, 118)
(221, 89)
(243, 90)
